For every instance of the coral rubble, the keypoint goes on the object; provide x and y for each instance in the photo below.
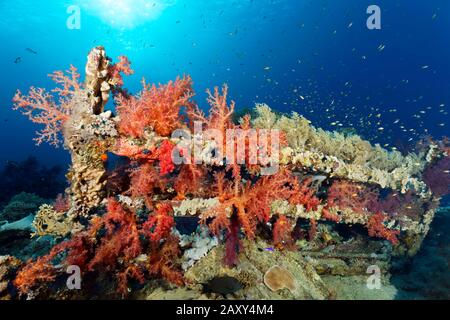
(261, 188)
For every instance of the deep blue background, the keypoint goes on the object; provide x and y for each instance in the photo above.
(314, 57)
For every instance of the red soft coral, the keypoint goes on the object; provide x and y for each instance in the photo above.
(327, 215)
(395, 204)
(165, 151)
(145, 179)
(41, 108)
(304, 195)
(250, 203)
(159, 224)
(376, 228)
(163, 261)
(232, 243)
(345, 194)
(121, 239)
(155, 107)
(282, 232)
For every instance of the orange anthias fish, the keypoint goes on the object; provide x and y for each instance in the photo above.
(104, 157)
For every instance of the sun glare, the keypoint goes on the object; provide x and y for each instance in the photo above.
(127, 13)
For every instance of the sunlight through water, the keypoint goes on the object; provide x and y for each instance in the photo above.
(127, 14)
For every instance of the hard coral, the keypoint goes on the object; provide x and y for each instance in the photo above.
(277, 278)
(155, 107)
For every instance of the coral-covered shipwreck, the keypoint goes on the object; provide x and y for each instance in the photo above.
(176, 213)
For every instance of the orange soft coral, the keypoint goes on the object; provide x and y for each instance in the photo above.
(35, 273)
(41, 108)
(155, 107)
(220, 115)
(376, 228)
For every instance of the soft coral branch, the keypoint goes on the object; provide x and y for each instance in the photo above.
(155, 107)
(376, 228)
(250, 202)
(41, 108)
(159, 224)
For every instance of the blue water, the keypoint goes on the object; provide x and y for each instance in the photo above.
(314, 57)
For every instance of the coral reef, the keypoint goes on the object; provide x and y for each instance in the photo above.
(8, 267)
(308, 190)
(20, 206)
(50, 221)
(157, 108)
(30, 176)
(437, 177)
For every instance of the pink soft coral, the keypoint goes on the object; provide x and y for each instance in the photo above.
(41, 108)
(115, 71)
(62, 203)
(437, 177)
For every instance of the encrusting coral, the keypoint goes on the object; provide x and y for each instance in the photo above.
(320, 177)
